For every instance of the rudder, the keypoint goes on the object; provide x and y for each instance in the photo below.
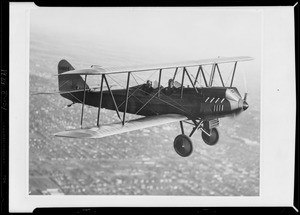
(69, 82)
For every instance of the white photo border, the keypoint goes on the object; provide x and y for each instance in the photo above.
(277, 118)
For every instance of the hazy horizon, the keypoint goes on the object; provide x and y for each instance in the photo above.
(140, 35)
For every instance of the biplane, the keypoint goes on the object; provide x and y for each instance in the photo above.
(200, 107)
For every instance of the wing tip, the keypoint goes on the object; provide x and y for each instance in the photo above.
(87, 71)
(79, 134)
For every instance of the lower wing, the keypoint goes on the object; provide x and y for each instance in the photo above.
(118, 128)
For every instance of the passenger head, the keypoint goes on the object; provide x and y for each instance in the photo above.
(171, 83)
(149, 83)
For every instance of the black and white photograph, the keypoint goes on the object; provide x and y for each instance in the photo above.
(144, 101)
(151, 107)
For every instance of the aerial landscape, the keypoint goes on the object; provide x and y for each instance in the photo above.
(142, 162)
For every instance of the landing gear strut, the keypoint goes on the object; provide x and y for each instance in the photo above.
(183, 144)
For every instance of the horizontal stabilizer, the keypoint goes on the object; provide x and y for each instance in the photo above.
(72, 91)
(63, 92)
(118, 128)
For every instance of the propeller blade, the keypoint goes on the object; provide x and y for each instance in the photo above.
(245, 96)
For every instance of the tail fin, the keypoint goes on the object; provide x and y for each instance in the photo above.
(69, 82)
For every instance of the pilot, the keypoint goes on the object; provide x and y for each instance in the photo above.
(171, 83)
(169, 90)
(149, 83)
(148, 86)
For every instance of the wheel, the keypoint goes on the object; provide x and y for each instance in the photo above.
(212, 139)
(183, 145)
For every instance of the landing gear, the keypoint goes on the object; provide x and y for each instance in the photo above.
(212, 139)
(183, 145)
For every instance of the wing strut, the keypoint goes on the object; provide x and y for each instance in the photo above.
(188, 75)
(233, 74)
(212, 74)
(220, 75)
(175, 73)
(159, 80)
(183, 73)
(197, 75)
(126, 98)
(83, 101)
(100, 101)
(112, 97)
(203, 76)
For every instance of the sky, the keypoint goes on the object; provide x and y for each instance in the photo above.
(155, 34)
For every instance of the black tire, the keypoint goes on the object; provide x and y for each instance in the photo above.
(183, 145)
(212, 139)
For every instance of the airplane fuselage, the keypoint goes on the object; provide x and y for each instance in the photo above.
(207, 103)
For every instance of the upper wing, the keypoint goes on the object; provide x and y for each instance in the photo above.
(118, 128)
(99, 70)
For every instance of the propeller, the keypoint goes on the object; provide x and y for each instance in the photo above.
(245, 104)
(244, 107)
(245, 96)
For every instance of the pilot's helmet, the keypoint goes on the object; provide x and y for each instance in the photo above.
(149, 82)
(171, 83)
